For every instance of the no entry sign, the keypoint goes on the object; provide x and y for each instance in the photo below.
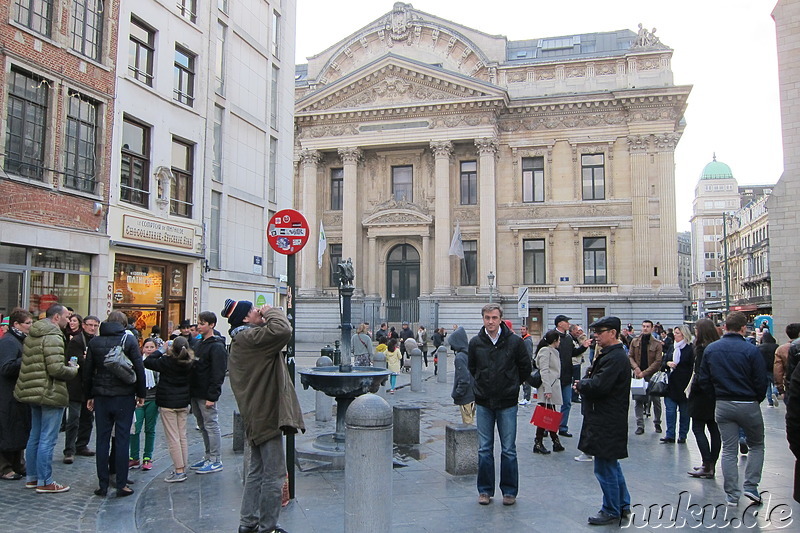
(288, 231)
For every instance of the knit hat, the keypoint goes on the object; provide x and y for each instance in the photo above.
(4, 322)
(236, 312)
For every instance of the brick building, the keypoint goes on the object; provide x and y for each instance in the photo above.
(58, 62)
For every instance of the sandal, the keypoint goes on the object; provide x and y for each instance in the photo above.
(11, 476)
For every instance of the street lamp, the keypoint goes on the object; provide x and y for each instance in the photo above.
(725, 262)
(490, 277)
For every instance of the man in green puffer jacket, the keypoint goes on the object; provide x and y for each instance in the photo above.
(42, 384)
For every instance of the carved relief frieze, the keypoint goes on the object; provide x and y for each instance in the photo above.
(466, 215)
(332, 220)
(576, 72)
(329, 130)
(593, 148)
(455, 121)
(545, 74)
(606, 69)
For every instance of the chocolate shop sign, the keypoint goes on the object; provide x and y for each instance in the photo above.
(142, 229)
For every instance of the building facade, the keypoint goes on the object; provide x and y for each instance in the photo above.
(200, 141)
(57, 106)
(685, 271)
(784, 215)
(553, 157)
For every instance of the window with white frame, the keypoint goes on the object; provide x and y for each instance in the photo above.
(533, 262)
(403, 183)
(219, 63)
(213, 230)
(188, 9)
(469, 183)
(216, 146)
(594, 261)
(181, 192)
(533, 179)
(593, 176)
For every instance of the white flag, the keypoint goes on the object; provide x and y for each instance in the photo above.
(323, 243)
(456, 246)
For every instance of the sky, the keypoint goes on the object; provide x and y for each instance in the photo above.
(725, 49)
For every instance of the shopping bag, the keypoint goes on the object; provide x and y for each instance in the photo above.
(638, 387)
(545, 418)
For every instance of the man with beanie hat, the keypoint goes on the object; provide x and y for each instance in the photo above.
(268, 404)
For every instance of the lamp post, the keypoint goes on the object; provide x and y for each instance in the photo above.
(725, 264)
(490, 277)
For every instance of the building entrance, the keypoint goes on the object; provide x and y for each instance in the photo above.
(402, 284)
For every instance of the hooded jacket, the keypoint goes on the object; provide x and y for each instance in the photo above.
(462, 380)
(498, 369)
(99, 381)
(260, 379)
(208, 370)
(43, 374)
(15, 417)
(172, 391)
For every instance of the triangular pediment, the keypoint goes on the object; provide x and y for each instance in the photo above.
(396, 81)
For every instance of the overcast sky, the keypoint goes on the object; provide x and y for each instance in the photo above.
(724, 48)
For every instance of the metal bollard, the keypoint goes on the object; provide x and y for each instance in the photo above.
(441, 355)
(323, 410)
(416, 370)
(368, 465)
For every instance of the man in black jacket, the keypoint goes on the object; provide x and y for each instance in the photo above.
(499, 364)
(79, 418)
(205, 381)
(606, 398)
(567, 350)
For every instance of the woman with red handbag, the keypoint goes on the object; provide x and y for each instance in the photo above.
(548, 362)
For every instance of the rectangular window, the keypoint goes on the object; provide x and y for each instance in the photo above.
(219, 63)
(180, 202)
(273, 104)
(81, 143)
(403, 183)
(276, 31)
(593, 174)
(34, 14)
(337, 189)
(87, 27)
(26, 123)
(594, 261)
(533, 262)
(216, 146)
(469, 266)
(188, 9)
(222, 5)
(336, 258)
(134, 179)
(213, 230)
(469, 182)
(533, 179)
(273, 169)
(183, 91)
(140, 52)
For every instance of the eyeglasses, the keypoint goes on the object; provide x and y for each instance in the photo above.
(90, 324)
(601, 330)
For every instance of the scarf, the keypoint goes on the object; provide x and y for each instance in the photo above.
(18, 334)
(676, 351)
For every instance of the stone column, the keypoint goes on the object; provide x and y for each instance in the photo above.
(372, 266)
(351, 225)
(487, 150)
(443, 228)
(309, 159)
(638, 146)
(424, 275)
(668, 272)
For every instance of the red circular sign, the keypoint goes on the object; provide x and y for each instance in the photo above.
(288, 231)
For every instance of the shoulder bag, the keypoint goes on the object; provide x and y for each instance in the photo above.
(118, 363)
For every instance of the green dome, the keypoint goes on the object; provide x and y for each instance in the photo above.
(716, 170)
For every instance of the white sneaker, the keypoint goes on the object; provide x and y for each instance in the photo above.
(524, 402)
(583, 458)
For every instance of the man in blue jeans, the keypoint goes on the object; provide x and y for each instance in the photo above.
(499, 364)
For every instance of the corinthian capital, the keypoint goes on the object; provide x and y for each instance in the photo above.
(442, 148)
(667, 141)
(487, 145)
(350, 155)
(638, 143)
(310, 157)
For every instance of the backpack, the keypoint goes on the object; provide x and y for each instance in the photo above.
(118, 363)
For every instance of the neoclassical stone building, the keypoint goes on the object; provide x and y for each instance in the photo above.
(553, 156)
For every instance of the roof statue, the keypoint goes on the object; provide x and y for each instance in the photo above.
(647, 39)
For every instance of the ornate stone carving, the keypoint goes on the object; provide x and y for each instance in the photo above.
(350, 155)
(487, 145)
(442, 148)
(332, 130)
(666, 141)
(593, 148)
(638, 143)
(646, 40)
(310, 157)
(399, 22)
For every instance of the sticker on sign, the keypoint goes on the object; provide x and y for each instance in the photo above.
(288, 232)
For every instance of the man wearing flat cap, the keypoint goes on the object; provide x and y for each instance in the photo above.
(606, 398)
(566, 351)
(268, 404)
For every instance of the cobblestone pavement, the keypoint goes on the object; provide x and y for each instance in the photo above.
(556, 492)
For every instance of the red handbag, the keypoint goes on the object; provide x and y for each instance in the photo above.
(545, 418)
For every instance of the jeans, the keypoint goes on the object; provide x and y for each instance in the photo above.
(771, 391)
(566, 397)
(146, 415)
(709, 453)
(208, 420)
(261, 500)
(526, 392)
(45, 423)
(612, 482)
(672, 415)
(506, 420)
(79, 427)
(731, 416)
(113, 412)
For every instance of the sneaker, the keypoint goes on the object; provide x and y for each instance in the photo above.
(639, 431)
(524, 402)
(147, 464)
(31, 484)
(133, 464)
(199, 464)
(209, 467)
(484, 499)
(176, 477)
(52, 488)
(583, 458)
(731, 502)
(753, 496)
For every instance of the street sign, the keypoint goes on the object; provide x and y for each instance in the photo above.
(288, 232)
(522, 302)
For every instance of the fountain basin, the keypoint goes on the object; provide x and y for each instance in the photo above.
(329, 380)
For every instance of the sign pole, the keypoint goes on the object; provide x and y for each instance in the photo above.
(291, 310)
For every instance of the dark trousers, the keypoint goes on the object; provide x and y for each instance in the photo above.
(576, 376)
(709, 453)
(113, 412)
(79, 427)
